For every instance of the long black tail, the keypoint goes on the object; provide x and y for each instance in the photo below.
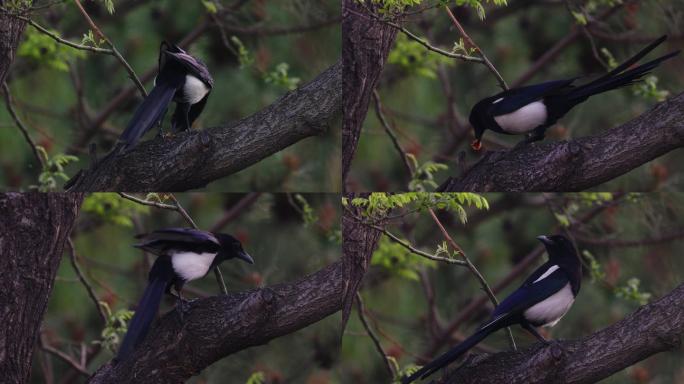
(449, 356)
(150, 111)
(160, 276)
(620, 76)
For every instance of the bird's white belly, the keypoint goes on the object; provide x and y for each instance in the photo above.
(524, 119)
(190, 265)
(194, 90)
(551, 309)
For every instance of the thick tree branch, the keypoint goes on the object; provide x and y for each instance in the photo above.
(192, 159)
(580, 163)
(653, 328)
(218, 326)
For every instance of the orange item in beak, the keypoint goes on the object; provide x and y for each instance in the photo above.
(476, 145)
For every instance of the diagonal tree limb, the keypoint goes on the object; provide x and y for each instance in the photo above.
(653, 328)
(195, 158)
(580, 163)
(218, 326)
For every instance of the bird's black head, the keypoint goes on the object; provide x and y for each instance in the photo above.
(559, 247)
(232, 248)
(476, 118)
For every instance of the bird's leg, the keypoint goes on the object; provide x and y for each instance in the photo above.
(537, 134)
(161, 123)
(534, 331)
(180, 117)
(180, 304)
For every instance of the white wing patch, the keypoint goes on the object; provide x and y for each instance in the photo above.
(194, 90)
(497, 100)
(548, 272)
(191, 265)
(550, 310)
(524, 119)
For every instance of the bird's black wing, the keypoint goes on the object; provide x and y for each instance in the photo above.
(194, 66)
(529, 294)
(514, 99)
(160, 240)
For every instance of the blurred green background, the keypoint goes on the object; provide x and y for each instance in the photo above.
(412, 85)
(277, 57)
(497, 239)
(285, 243)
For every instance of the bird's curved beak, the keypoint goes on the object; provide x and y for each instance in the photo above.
(245, 257)
(545, 240)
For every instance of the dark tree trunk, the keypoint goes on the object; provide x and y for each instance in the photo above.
(366, 42)
(10, 31)
(359, 242)
(33, 230)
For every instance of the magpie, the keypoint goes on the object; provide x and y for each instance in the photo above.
(184, 254)
(540, 301)
(182, 78)
(534, 108)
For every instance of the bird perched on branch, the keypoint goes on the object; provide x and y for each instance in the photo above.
(534, 108)
(184, 254)
(182, 78)
(542, 300)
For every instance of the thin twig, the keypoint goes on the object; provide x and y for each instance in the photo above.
(473, 270)
(415, 250)
(418, 39)
(381, 116)
(21, 126)
(63, 356)
(148, 202)
(115, 52)
(471, 43)
(376, 342)
(81, 277)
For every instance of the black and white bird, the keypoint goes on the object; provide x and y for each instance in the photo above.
(542, 300)
(184, 254)
(182, 78)
(532, 109)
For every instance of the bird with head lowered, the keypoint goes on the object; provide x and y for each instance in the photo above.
(532, 109)
(542, 300)
(184, 254)
(182, 78)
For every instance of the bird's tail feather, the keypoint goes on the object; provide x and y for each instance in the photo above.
(618, 79)
(148, 113)
(144, 314)
(449, 356)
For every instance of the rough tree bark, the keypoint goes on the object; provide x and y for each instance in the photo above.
(359, 242)
(192, 159)
(10, 31)
(579, 163)
(366, 42)
(33, 229)
(218, 326)
(653, 328)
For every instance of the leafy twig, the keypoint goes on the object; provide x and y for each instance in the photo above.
(114, 52)
(472, 44)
